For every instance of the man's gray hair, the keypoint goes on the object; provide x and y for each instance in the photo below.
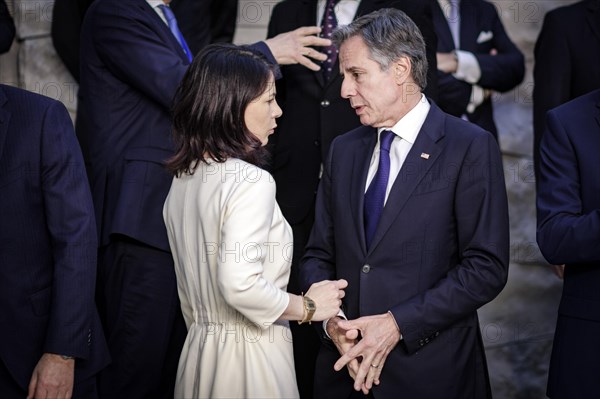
(389, 34)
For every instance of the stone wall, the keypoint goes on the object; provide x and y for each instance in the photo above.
(32, 63)
(518, 326)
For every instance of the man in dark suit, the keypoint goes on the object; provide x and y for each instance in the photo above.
(201, 22)
(475, 58)
(132, 63)
(412, 211)
(7, 28)
(313, 115)
(568, 232)
(51, 340)
(572, 35)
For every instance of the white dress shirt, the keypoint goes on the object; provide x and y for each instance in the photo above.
(345, 10)
(406, 131)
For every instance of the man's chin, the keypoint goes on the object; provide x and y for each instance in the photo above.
(364, 119)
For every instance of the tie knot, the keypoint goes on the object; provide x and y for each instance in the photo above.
(385, 140)
(168, 13)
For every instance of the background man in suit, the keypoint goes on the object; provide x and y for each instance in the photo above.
(475, 57)
(572, 34)
(132, 63)
(568, 210)
(313, 115)
(412, 211)
(201, 22)
(7, 28)
(51, 340)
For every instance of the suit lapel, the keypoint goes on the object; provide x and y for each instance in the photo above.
(4, 120)
(593, 17)
(442, 30)
(413, 170)
(361, 158)
(307, 13)
(468, 26)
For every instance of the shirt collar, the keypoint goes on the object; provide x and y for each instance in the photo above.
(155, 3)
(409, 126)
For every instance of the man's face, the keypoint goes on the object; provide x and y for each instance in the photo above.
(374, 94)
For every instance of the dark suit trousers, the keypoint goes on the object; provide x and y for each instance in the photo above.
(305, 340)
(138, 302)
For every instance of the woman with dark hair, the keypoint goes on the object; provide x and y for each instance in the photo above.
(231, 245)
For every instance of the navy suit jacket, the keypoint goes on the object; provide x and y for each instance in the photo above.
(500, 72)
(439, 253)
(132, 67)
(314, 113)
(568, 208)
(48, 240)
(571, 35)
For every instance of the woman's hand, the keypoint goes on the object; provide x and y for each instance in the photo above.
(327, 296)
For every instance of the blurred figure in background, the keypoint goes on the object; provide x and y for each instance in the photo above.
(475, 58)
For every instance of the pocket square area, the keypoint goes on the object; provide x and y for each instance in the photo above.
(484, 36)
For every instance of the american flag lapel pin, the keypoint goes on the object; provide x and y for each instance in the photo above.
(424, 155)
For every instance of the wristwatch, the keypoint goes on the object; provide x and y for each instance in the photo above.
(309, 309)
(65, 357)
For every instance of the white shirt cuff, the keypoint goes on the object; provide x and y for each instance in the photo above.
(477, 97)
(468, 69)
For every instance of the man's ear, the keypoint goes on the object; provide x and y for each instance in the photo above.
(402, 69)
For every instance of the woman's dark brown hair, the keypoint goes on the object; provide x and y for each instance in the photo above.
(208, 115)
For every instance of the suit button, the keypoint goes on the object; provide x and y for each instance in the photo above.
(366, 269)
(325, 103)
(317, 143)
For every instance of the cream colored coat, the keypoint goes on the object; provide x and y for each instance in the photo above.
(232, 250)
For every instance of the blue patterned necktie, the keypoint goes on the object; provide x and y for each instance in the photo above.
(328, 24)
(172, 22)
(375, 195)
